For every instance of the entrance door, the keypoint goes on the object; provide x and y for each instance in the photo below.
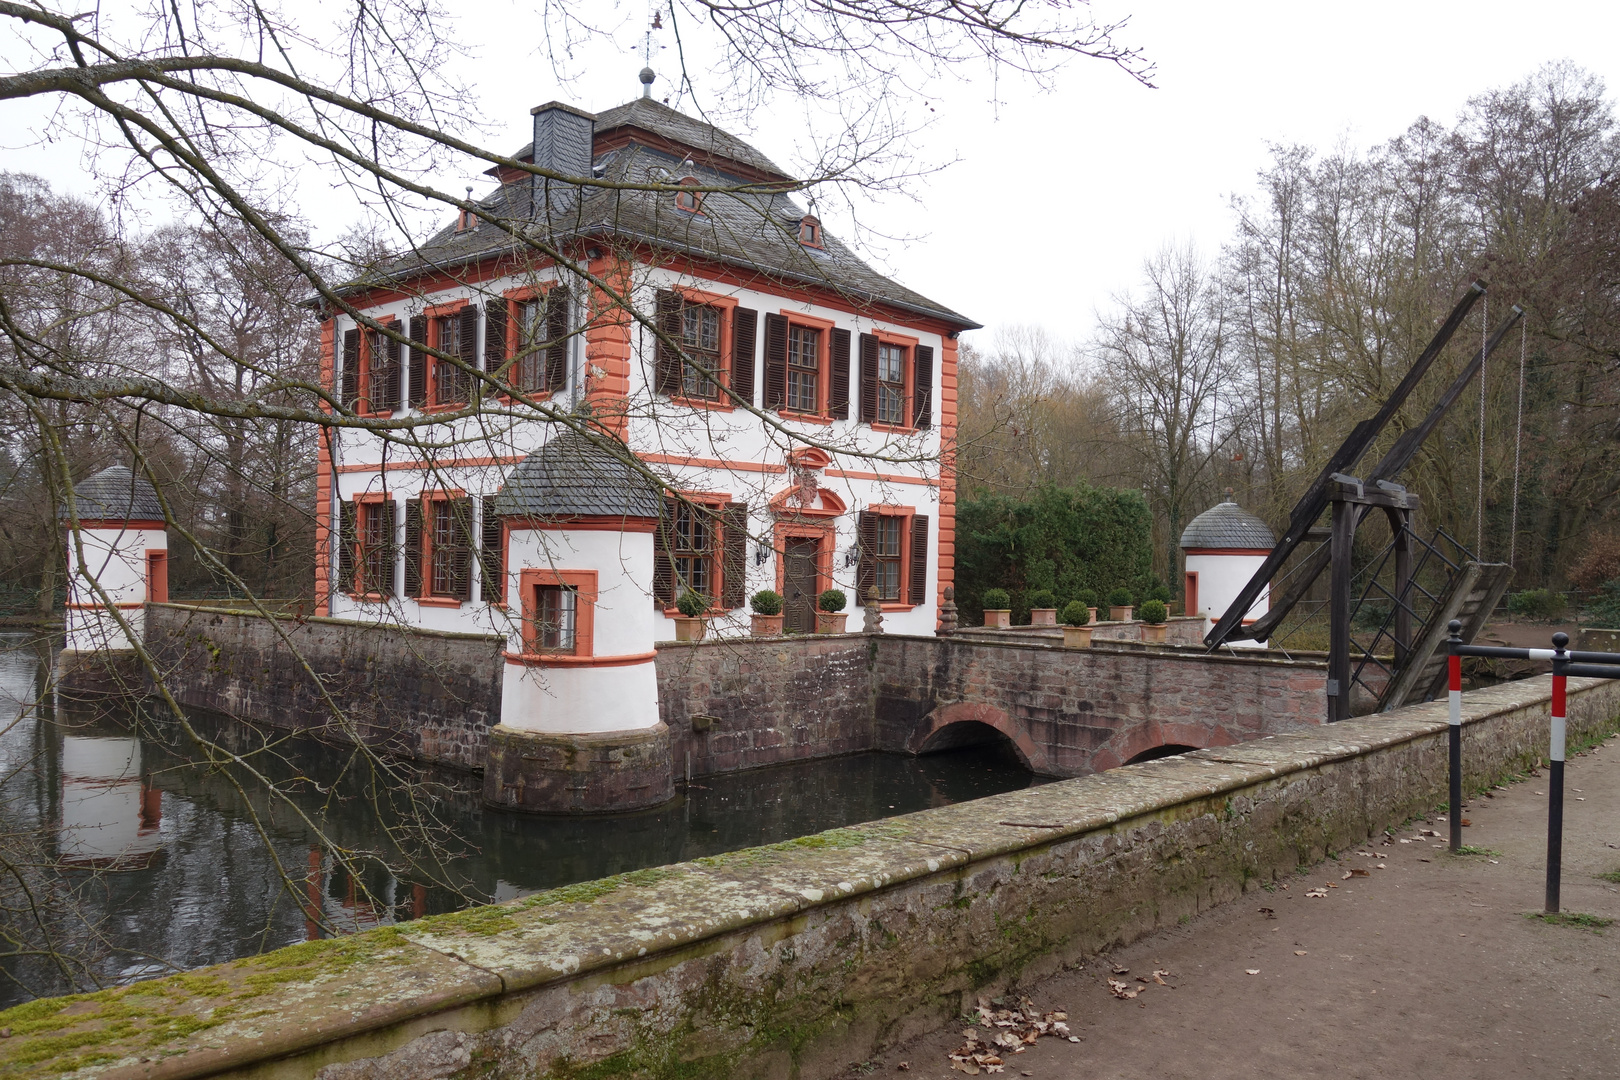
(799, 585)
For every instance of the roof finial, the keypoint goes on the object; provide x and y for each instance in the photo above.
(647, 78)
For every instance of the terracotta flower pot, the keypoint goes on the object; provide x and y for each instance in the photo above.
(690, 629)
(1154, 632)
(997, 618)
(1119, 614)
(1093, 615)
(1077, 637)
(831, 622)
(767, 625)
(1043, 616)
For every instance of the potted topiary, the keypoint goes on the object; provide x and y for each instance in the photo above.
(1076, 626)
(1153, 614)
(1160, 592)
(767, 617)
(1119, 605)
(691, 623)
(997, 608)
(1089, 598)
(1042, 608)
(830, 612)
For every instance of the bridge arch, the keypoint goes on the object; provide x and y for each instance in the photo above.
(971, 724)
(1163, 750)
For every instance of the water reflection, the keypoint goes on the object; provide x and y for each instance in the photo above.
(162, 861)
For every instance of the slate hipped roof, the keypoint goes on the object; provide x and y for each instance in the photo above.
(755, 229)
(1228, 525)
(114, 494)
(573, 476)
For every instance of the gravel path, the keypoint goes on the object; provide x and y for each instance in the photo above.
(1427, 968)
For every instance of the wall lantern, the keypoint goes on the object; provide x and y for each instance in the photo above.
(853, 556)
(762, 554)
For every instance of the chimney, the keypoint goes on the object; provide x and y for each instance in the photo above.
(562, 143)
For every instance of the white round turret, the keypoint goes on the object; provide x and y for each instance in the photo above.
(1223, 547)
(117, 559)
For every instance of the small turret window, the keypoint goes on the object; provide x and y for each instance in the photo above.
(689, 200)
(809, 231)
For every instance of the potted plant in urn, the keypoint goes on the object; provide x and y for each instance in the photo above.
(690, 623)
(1119, 605)
(830, 614)
(1076, 626)
(1042, 608)
(767, 617)
(1089, 598)
(1153, 613)
(997, 608)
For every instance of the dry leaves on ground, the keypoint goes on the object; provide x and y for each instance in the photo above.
(1002, 1032)
(1316, 894)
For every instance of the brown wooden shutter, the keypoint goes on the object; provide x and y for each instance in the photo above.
(668, 374)
(663, 562)
(418, 390)
(918, 589)
(350, 394)
(492, 555)
(838, 384)
(414, 535)
(776, 337)
(496, 316)
(744, 332)
(734, 561)
(393, 382)
(461, 524)
(390, 549)
(557, 338)
(348, 539)
(866, 570)
(869, 378)
(922, 407)
(468, 352)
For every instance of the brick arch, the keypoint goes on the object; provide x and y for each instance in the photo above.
(1031, 755)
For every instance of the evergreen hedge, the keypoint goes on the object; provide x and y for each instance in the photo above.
(1064, 540)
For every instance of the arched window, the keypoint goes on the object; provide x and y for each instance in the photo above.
(689, 200)
(809, 231)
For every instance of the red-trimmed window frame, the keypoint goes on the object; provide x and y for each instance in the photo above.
(365, 502)
(432, 501)
(824, 365)
(366, 333)
(825, 533)
(157, 575)
(905, 514)
(696, 197)
(727, 307)
(583, 582)
(713, 505)
(908, 368)
(434, 316)
(523, 294)
(812, 224)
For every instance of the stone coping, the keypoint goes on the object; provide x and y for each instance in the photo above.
(455, 970)
(328, 620)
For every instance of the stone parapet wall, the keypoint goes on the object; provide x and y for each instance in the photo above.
(1072, 711)
(421, 693)
(795, 959)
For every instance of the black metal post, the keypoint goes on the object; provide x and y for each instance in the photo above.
(1555, 773)
(1338, 676)
(1454, 730)
(1401, 520)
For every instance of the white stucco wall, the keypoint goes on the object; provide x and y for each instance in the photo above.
(1220, 579)
(115, 558)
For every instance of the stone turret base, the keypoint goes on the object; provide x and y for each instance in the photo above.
(601, 772)
(99, 676)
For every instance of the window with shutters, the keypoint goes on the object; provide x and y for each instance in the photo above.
(692, 548)
(893, 556)
(896, 381)
(443, 539)
(444, 377)
(376, 548)
(804, 369)
(702, 545)
(710, 348)
(538, 350)
(439, 548)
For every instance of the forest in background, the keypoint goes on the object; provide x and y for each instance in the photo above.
(1243, 368)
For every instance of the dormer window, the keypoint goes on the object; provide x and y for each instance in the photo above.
(689, 200)
(465, 220)
(809, 231)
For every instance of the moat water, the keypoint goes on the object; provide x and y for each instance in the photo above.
(145, 859)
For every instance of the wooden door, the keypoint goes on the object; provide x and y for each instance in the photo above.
(799, 585)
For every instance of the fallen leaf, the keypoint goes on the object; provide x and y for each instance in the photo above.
(1252, 971)
(1357, 872)
(1427, 832)
(904, 1066)
(964, 1066)
(1268, 913)
(1466, 822)
(1121, 970)
(1404, 840)
(1074, 1038)
(1299, 952)
(1123, 991)
(1316, 894)
(1380, 866)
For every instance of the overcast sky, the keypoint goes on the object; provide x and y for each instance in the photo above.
(1056, 197)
